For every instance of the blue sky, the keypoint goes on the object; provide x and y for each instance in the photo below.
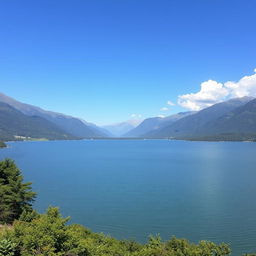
(106, 60)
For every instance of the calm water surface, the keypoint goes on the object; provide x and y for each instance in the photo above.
(130, 189)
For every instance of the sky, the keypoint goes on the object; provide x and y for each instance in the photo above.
(107, 61)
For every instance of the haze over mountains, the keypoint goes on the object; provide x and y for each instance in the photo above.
(155, 123)
(234, 119)
(121, 129)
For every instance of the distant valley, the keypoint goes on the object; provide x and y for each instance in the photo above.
(234, 119)
(121, 129)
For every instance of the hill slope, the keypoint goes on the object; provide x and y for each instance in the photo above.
(194, 124)
(69, 124)
(154, 123)
(15, 124)
(239, 123)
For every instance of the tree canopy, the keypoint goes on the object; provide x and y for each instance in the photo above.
(2, 144)
(15, 195)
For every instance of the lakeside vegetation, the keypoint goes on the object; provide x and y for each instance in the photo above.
(24, 232)
(236, 137)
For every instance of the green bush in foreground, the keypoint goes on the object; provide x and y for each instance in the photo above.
(49, 235)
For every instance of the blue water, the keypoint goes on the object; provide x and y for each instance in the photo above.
(130, 189)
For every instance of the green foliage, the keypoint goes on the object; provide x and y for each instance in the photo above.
(182, 247)
(49, 235)
(43, 235)
(7, 248)
(28, 215)
(15, 196)
(2, 144)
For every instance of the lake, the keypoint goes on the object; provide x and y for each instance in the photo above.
(133, 188)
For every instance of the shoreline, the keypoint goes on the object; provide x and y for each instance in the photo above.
(126, 139)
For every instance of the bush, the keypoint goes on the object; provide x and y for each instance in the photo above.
(7, 248)
(49, 235)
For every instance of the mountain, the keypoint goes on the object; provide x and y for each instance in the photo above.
(154, 123)
(194, 124)
(119, 129)
(69, 124)
(241, 122)
(16, 125)
(101, 130)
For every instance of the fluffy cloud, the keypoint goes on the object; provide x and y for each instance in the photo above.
(170, 103)
(161, 116)
(212, 92)
(164, 109)
(246, 86)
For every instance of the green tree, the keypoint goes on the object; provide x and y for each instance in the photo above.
(15, 196)
(2, 144)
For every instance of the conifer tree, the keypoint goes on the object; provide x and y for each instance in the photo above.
(15, 196)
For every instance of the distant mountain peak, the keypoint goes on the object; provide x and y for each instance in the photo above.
(119, 129)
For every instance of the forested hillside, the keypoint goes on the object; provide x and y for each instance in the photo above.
(68, 124)
(14, 125)
(230, 120)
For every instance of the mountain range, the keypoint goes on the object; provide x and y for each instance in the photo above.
(15, 125)
(234, 119)
(230, 120)
(70, 126)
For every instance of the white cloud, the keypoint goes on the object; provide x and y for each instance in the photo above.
(161, 116)
(170, 103)
(164, 109)
(246, 86)
(212, 92)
